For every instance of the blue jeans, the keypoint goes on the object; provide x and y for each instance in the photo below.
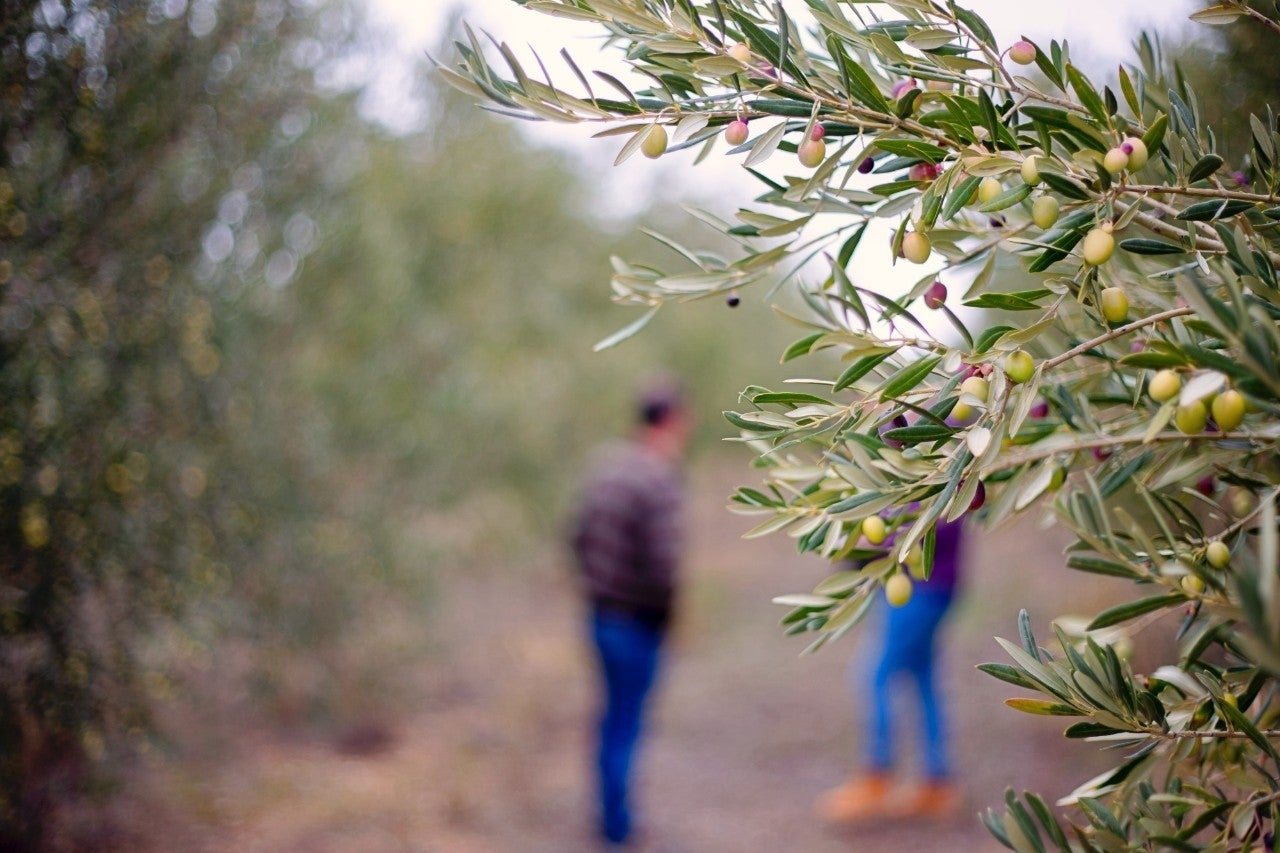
(908, 642)
(629, 657)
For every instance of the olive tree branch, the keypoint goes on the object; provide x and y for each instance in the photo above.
(1207, 241)
(1001, 463)
(1151, 320)
(1198, 733)
(1201, 192)
(1269, 23)
(1241, 523)
(1159, 226)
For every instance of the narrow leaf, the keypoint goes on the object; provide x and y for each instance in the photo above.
(1130, 610)
(859, 369)
(1149, 246)
(1205, 211)
(908, 377)
(1043, 708)
(626, 332)
(1206, 166)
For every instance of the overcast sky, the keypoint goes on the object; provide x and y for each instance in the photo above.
(1105, 25)
(1101, 33)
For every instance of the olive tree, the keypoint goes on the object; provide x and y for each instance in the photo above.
(1139, 396)
(155, 160)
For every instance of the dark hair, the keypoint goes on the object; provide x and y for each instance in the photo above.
(659, 402)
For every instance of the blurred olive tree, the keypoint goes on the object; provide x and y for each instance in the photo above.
(456, 307)
(249, 409)
(157, 160)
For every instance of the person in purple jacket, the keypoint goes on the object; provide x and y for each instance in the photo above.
(907, 649)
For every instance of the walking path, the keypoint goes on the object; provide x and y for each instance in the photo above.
(746, 732)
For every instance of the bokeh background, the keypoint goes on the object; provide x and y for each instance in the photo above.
(296, 384)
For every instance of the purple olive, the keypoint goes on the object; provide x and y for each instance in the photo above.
(897, 423)
(936, 295)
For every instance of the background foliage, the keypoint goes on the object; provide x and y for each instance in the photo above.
(249, 421)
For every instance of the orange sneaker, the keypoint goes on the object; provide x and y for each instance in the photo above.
(928, 800)
(859, 798)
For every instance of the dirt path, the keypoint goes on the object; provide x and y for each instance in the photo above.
(746, 733)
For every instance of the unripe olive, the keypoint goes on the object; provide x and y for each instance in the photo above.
(1044, 211)
(988, 189)
(1192, 584)
(873, 528)
(1023, 52)
(1019, 366)
(1137, 151)
(1097, 246)
(977, 386)
(1191, 418)
(1164, 386)
(655, 142)
(1241, 501)
(1030, 172)
(1115, 160)
(1115, 304)
(916, 247)
(1058, 477)
(1228, 409)
(962, 413)
(736, 133)
(1229, 698)
(741, 52)
(914, 561)
(1218, 554)
(897, 590)
(812, 152)
(936, 295)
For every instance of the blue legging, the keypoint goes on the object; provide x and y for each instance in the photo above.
(908, 649)
(629, 657)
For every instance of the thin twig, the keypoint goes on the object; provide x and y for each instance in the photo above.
(1013, 461)
(1218, 734)
(1201, 192)
(1116, 333)
(1258, 16)
(1239, 525)
(1159, 226)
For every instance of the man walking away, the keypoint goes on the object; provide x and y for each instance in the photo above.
(627, 541)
